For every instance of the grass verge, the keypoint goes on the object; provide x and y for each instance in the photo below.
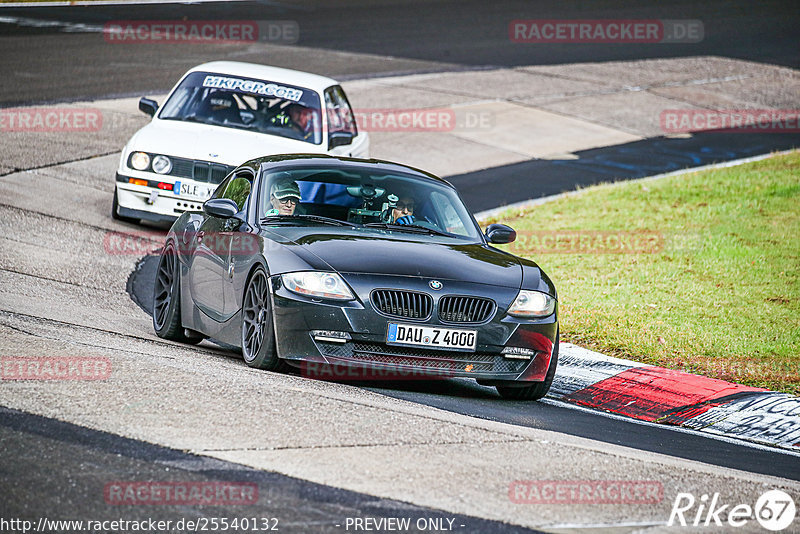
(698, 272)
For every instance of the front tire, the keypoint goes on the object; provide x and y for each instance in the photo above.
(258, 332)
(537, 390)
(167, 300)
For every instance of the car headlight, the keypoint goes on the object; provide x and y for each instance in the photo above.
(162, 165)
(316, 284)
(532, 304)
(140, 161)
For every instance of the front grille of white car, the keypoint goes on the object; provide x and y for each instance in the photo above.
(199, 171)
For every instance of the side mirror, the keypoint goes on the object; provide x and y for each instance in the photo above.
(148, 106)
(224, 208)
(339, 139)
(500, 234)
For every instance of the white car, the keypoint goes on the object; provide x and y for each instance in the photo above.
(218, 116)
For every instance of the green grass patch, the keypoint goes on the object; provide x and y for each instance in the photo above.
(713, 288)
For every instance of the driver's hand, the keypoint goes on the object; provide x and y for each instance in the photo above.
(405, 220)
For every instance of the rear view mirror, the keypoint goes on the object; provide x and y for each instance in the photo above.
(500, 234)
(148, 106)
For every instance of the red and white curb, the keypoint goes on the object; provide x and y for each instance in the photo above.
(666, 396)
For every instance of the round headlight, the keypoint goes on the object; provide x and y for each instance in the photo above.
(140, 161)
(162, 165)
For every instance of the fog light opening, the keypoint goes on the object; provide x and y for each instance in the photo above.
(518, 353)
(330, 336)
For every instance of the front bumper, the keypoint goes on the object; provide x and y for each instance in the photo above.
(150, 203)
(297, 316)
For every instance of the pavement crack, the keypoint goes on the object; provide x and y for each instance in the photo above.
(66, 179)
(80, 343)
(364, 445)
(57, 163)
(54, 322)
(636, 88)
(58, 218)
(39, 277)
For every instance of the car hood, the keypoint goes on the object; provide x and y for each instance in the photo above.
(360, 251)
(219, 144)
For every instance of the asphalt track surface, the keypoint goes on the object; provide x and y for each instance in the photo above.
(498, 186)
(81, 461)
(54, 64)
(355, 39)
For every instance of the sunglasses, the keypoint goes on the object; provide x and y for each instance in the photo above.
(287, 201)
(405, 206)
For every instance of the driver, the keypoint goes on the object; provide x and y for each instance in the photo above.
(403, 211)
(298, 118)
(284, 196)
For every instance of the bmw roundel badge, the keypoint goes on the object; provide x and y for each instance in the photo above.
(435, 285)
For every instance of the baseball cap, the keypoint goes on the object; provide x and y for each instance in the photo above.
(281, 190)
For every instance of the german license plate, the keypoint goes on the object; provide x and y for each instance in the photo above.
(192, 190)
(431, 336)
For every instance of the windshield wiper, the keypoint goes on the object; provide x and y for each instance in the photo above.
(303, 217)
(408, 228)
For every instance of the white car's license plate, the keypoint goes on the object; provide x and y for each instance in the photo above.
(431, 336)
(193, 190)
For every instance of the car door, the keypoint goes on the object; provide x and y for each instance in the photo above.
(342, 122)
(242, 245)
(211, 259)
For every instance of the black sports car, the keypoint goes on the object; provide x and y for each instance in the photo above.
(316, 261)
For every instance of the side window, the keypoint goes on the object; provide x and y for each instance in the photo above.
(238, 188)
(340, 115)
(448, 214)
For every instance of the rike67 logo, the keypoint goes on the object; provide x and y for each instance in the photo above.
(774, 510)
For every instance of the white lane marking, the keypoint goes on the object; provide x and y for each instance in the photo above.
(734, 441)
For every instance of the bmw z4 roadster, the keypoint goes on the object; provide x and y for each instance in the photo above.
(316, 260)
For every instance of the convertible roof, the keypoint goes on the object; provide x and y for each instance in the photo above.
(299, 160)
(264, 72)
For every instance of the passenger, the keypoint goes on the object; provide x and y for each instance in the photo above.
(284, 197)
(403, 212)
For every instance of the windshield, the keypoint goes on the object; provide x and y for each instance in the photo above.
(247, 104)
(366, 198)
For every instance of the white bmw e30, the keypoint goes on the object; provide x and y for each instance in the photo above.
(219, 115)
